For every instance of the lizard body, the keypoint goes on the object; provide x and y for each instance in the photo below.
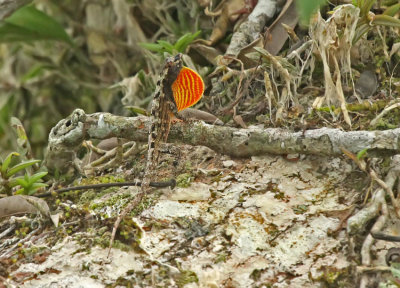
(178, 88)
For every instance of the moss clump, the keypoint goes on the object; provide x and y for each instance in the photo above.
(119, 199)
(143, 205)
(101, 180)
(333, 277)
(300, 209)
(185, 277)
(184, 180)
(221, 257)
(121, 246)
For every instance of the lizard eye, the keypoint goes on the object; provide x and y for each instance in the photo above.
(178, 57)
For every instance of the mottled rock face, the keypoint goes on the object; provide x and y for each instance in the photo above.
(243, 223)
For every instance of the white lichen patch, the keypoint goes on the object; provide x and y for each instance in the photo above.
(167, 209)
(300, 240)
(258, 222)
(76, 269)
(196, 192)
(269, 211)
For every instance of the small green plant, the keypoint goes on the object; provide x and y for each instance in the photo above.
(9, 180)
(369, 19)
(30, 184)
(362, 154)
(163, 46)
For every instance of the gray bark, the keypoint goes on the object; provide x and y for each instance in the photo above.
(66, 138)
(250, 29)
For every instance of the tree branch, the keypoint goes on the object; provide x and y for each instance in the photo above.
(66, 138)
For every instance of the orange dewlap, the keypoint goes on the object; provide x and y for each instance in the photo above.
(187, 88)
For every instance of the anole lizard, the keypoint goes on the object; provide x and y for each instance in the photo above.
(178, 88)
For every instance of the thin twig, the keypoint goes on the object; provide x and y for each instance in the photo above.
(374, 176)
(367, 269)
(239, 93)
(382, 236)
(383, 113)
(369, 240)
(127, 209)
(170, 183)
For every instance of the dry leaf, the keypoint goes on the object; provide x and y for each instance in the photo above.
(23, 204)
(277, 32)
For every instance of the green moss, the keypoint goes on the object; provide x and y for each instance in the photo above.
(256, 274)
(326, 109)
(102, 230)
(101, 179)
(221, 257)
(143, 205)
(87, 196)
(184, 180)
(334, 277)
(32, 251)
(115, 200)
(121, 246)
(217, 178)
(188, 166)
(185, 277)
(102, 241)
(300, 209)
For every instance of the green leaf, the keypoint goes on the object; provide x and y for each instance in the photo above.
(142, 76)
(22, 182)
(137, 110)
(365, 7)
(360, 31)
(12, 33)
(32, 189)
(167, 47)
(35, 177)
(20, 191)
(29, 24)
(362, 153)
(185, 40)
(307, 8)
(13, 182)
(7, 162)
(20, 167)
(35, 71)
(392, 10)
(152, 47)
(386, 20)
(36, 186)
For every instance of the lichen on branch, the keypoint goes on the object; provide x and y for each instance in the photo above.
(67, 136)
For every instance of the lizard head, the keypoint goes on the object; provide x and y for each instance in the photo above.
(174, 66)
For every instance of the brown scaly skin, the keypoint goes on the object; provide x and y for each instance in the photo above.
(163, 109)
